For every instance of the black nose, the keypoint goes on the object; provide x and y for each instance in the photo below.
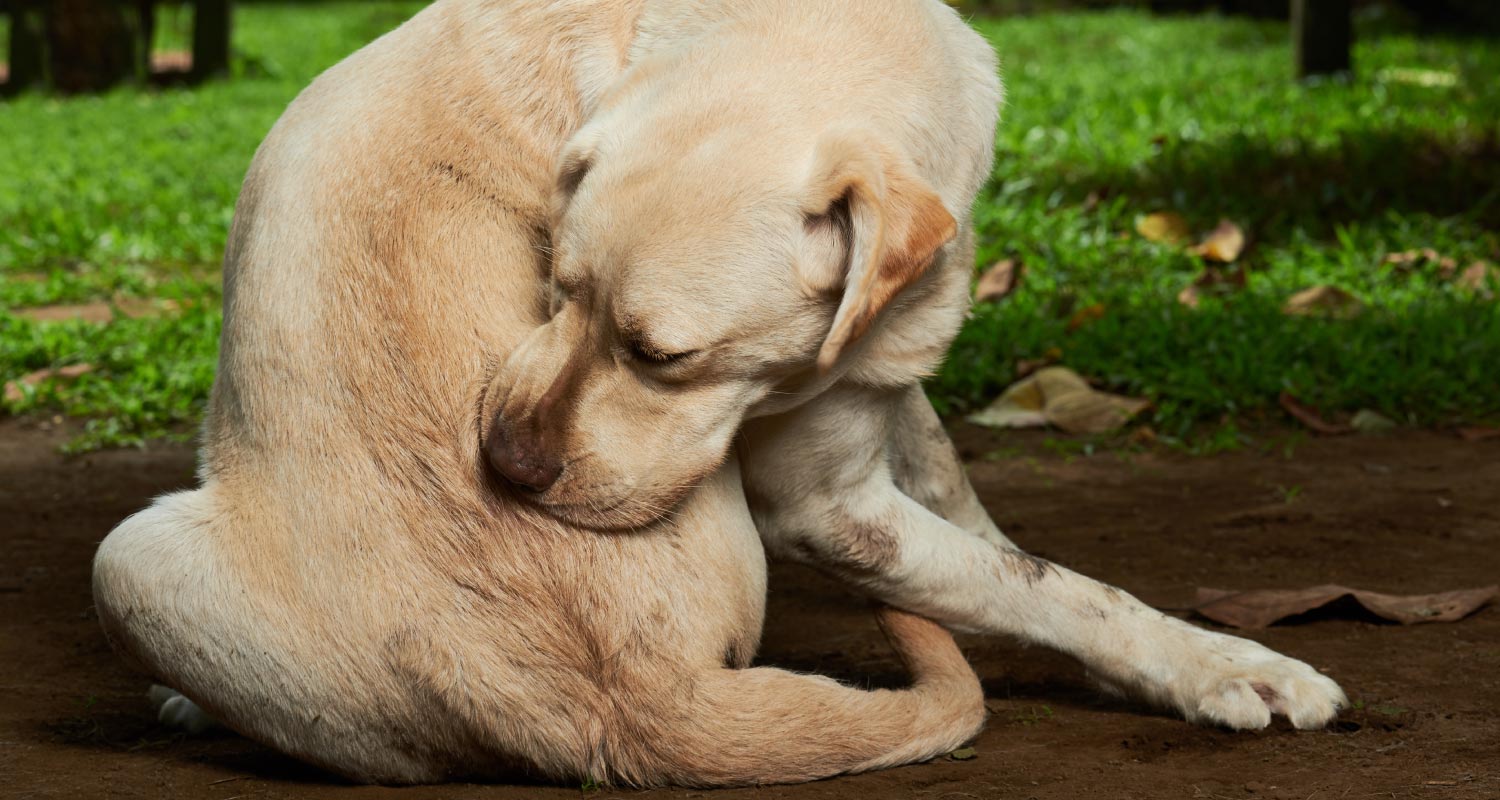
(520, 459)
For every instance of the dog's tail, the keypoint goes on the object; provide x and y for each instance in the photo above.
(763, 725)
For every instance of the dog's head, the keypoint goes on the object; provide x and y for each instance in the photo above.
(707, 266)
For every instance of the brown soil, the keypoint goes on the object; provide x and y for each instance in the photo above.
(1413, 513)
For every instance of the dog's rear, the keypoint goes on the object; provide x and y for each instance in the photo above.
(349, 585)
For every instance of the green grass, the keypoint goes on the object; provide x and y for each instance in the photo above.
(130, 195)
(1198, 116)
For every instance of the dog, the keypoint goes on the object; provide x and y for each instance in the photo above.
(707, 324)
(352, 583)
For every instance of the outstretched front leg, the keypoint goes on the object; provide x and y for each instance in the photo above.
(823, 490)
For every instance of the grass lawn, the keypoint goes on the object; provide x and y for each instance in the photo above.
(1111, 116)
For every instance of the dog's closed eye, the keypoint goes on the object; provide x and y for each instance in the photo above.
(642, 350)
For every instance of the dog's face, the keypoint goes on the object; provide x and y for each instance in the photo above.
(700, 275)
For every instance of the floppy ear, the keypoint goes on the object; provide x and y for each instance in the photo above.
(897, 223)
(574, 163)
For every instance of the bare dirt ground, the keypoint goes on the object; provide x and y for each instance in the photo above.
(1414, 512)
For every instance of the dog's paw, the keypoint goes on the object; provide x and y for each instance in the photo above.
(1240, 684)
(176, 711)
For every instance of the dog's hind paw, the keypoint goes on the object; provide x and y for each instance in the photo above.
(176, 711)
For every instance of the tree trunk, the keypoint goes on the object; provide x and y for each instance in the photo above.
(91, 45)
(1322, 34)
(26, 50)
(210, 38)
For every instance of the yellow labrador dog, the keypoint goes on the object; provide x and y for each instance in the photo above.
(472, 488)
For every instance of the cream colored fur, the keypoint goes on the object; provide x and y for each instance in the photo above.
(350, 583)
(619, 254)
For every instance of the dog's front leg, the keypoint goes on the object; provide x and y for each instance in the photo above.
(925, 466)
(821, 488)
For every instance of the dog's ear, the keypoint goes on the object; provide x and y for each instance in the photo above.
(895, 225)
(575, 162)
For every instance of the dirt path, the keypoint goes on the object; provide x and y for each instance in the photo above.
(1407, 513)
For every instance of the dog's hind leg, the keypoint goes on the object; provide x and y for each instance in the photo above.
(174, 604)
(925, 466)
(763, 725)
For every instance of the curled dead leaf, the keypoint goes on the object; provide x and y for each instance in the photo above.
(1060, 397)
(1263, 607)
(999, 281)
(1166, 227)
(1094, 412)
(1329, 301)
(1223, 244)
(1309, 416)
(15, 393)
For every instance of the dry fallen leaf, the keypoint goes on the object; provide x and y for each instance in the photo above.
(1328, 301)
(1309, 416)
(14, 393)
(1166, 227)
(1085, 315)
(1021, 405)
(1223, 244)
(1411, 259)
(1478, 277)
(999, 281)
(1190, 296)
(1060, 397)
(1263, 607)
